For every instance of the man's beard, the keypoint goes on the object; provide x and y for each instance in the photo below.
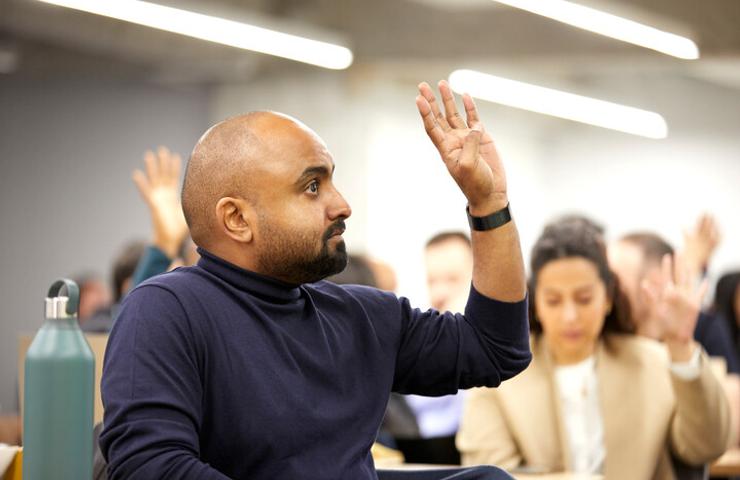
(289, 255)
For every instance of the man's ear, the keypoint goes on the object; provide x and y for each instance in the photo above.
(236, 217)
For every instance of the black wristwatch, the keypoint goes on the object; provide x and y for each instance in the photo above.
(489, 222)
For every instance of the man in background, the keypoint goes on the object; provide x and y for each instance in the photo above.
(637, 260)
(448, 259)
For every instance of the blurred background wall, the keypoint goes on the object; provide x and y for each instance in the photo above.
(82, 96)
(67, 150)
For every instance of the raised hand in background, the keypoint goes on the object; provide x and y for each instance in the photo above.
(159, 187)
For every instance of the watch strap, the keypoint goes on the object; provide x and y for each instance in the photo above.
(489, 222)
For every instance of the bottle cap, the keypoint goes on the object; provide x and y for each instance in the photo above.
(57, 308)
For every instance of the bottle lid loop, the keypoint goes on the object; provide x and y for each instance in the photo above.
(72, 297)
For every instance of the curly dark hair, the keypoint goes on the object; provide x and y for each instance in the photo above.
(579, 237)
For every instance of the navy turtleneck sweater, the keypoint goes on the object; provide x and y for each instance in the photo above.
(215, 372)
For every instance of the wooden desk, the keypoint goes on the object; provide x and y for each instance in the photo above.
(728, 465)
(518, 476)
(13, 458)
(556, 476)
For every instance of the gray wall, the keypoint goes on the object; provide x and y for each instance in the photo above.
(67, 203)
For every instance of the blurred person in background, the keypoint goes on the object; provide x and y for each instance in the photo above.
(94, 294)
(357, 272)
(448, 259)
(122, 272)
(637, 259)
(384, 274)
(597, 398)
(727, 305)
(170, 247)
(159, 187)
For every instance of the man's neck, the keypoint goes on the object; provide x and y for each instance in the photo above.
(235, 256)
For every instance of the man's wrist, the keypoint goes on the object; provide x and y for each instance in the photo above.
(494, 203)
(497, 219)
(168, 247)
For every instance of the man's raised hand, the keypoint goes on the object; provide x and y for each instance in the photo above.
(466, 148)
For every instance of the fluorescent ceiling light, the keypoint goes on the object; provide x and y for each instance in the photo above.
(218, 30)
(559, 104)
(609, 25)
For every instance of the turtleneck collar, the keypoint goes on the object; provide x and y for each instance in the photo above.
(248, 281)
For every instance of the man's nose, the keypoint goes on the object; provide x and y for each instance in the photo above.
(339, 207)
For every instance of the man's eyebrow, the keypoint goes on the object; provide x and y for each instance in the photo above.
(318, 170)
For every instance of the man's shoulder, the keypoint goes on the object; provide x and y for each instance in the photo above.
(164, 293)
(325, 287)
(368, 297)
(176, 281)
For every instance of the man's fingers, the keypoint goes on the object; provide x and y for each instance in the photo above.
(165, 162)
(469, 152)
(705, 223)
(163, 156)
(426, 92)
(430, 122)
(448, 100)
(141, 182)
(471, 112)
(152, 165)
(167, 166)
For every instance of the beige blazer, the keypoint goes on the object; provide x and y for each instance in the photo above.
(647, 413)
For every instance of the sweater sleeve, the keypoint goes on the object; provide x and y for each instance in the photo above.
(714, 335)
(152, 392)
(440, 353)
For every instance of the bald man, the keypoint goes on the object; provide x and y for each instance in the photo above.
(248, 365)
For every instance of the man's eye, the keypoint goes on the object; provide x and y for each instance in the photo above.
(313, 187)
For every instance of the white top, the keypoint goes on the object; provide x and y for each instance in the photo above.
(579, 399)
(437, 416)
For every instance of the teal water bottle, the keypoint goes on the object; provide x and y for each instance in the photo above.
(58, 398)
